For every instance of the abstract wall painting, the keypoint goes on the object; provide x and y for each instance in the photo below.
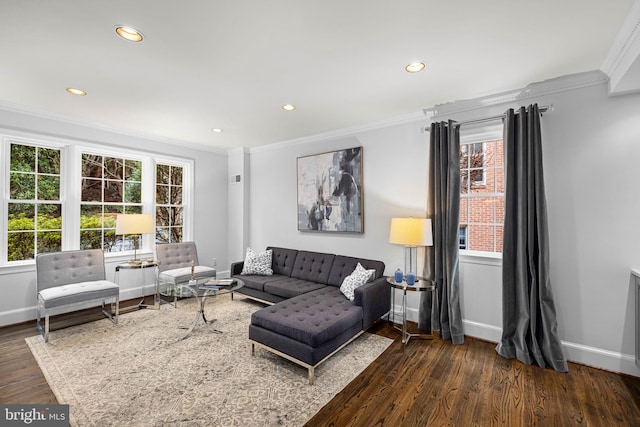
(330, 197)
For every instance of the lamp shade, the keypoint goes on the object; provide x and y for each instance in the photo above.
(411, 231)
(134, 223)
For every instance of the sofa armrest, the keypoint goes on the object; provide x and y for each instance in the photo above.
(374, 298)
(236, 268)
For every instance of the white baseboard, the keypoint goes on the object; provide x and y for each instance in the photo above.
(599, 358)
(578, 353)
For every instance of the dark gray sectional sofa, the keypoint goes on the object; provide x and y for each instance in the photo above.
(310, 319)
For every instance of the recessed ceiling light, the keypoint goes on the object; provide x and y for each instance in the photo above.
(216, 130)
(75, 91)
(129, 33)
(414, 67)
(288, 107)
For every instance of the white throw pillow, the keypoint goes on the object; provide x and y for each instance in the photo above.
(258, 263)
(359, 277)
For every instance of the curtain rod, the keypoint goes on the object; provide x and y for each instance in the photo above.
(542, 109)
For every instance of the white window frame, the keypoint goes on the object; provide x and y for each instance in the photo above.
(70, 197)
(187, 192)
(147, 200)
(473, 135)
(5, 150)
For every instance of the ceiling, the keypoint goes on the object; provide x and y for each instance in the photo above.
(207, 64)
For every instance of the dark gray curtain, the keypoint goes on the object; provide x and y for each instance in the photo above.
(529, 326)
(443, 207)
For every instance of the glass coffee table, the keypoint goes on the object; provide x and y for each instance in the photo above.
(202, 289)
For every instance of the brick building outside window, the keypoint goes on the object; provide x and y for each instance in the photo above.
(482, 195)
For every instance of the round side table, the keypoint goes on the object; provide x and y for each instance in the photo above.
(424, 285)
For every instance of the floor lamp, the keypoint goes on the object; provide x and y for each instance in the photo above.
(411, 232)
(134, 224)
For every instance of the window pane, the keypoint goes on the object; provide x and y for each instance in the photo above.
(499, 237)
(176, 234)
(20, 246)
(48, 187)
(133, 170)
(500, 180)
(91, 190)
(162, 216)
(113, 168)
(90, 216)
(133, 209)
(132, 192)
(49, 217)
(176, 195)
(110, 215)
(110, 239)
(162, 194)
(462, 237)
(162, 174)
(23, 158)
(91, 239)
(91, 166)
(22, 186)
(49, 241)
(500, 210)
(176, 175)
(48, 161)
(162, 235)
(176, 216)
(113, 191)
(21, 216)
(481, 209)
(464, 216)
(480, 237)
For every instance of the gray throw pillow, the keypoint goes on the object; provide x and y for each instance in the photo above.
(258, 263)
(359, 277)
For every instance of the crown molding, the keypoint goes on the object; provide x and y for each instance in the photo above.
(341, 133)
(61, 118)
(624, 50)
(533, 90)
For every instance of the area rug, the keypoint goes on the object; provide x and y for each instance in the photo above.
(138, 373)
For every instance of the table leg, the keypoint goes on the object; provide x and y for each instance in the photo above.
(392, 316)
(405, 338)
(199, 315)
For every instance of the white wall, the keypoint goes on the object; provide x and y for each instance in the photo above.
(17, 286)
(394, 183)
(591, 153)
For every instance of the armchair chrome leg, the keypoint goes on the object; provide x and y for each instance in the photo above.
(43, 331)
(46, 327)
(113, 318)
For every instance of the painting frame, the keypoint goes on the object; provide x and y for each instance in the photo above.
(330, 196)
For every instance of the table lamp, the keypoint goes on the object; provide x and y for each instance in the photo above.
(411, 232)
(127, 224)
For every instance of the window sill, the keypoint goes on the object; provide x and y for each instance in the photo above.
(477, 257)
(22, 267)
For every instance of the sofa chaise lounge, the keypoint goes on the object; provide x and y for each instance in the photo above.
(309, 318)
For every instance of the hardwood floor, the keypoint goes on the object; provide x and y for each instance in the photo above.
(428, 383)
(434, 383)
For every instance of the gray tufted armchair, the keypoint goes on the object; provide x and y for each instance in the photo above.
(72, 277)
